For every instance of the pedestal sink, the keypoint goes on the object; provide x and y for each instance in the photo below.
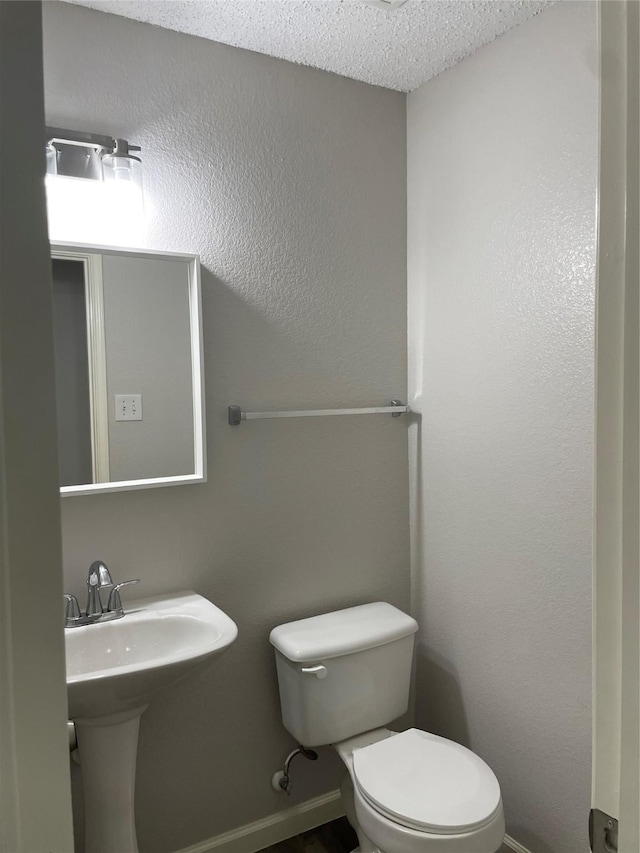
(113, 669)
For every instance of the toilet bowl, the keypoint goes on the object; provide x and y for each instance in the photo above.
(419, 793)
(343, 676)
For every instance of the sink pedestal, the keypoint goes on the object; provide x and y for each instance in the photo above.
(108, 747)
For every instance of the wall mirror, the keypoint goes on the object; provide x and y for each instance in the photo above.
(128, 364)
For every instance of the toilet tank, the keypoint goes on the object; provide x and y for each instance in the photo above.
(344, 672)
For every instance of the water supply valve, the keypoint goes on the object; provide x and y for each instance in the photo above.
(280, 782)
(281, 779)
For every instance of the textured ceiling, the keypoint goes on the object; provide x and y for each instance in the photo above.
(398, 49)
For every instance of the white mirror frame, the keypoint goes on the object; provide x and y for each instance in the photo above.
(95, 339)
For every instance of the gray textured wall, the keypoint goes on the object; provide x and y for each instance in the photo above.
(290, 184)
(502, 165)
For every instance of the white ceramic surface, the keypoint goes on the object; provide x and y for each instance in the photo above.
(112, 670)
(115, 666)
(426, 782)
(342, 632)
(344, 672)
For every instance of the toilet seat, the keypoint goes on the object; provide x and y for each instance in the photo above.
(427, 783)
(392, 837)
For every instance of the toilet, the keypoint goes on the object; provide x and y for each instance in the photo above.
(344, 676)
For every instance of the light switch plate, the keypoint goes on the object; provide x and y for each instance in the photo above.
(128, 407)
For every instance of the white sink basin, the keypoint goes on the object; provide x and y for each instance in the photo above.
(112, 670)
(114, 666)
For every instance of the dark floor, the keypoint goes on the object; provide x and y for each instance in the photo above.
(334, 837)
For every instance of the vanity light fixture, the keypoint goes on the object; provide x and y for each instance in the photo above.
(94, 187)
(94, 156)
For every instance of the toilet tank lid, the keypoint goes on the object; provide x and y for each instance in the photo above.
(342, 632)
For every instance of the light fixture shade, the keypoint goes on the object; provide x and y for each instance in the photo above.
(121, 166)
(128, 169)
(52, 159)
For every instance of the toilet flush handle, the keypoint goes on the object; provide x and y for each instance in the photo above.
(319, 671)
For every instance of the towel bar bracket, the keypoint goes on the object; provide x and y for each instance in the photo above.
(235, 415)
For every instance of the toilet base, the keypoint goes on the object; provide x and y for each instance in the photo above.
(396, 838)
(346, 790)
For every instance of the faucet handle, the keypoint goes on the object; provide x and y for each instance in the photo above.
(71, 611)
(114, 605)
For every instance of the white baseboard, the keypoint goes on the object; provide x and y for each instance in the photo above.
(515, 845)
(274, 828)
(285, 824)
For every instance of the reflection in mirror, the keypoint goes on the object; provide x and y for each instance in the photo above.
(127, 336)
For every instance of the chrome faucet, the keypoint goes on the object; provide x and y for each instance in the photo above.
(99, 578)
